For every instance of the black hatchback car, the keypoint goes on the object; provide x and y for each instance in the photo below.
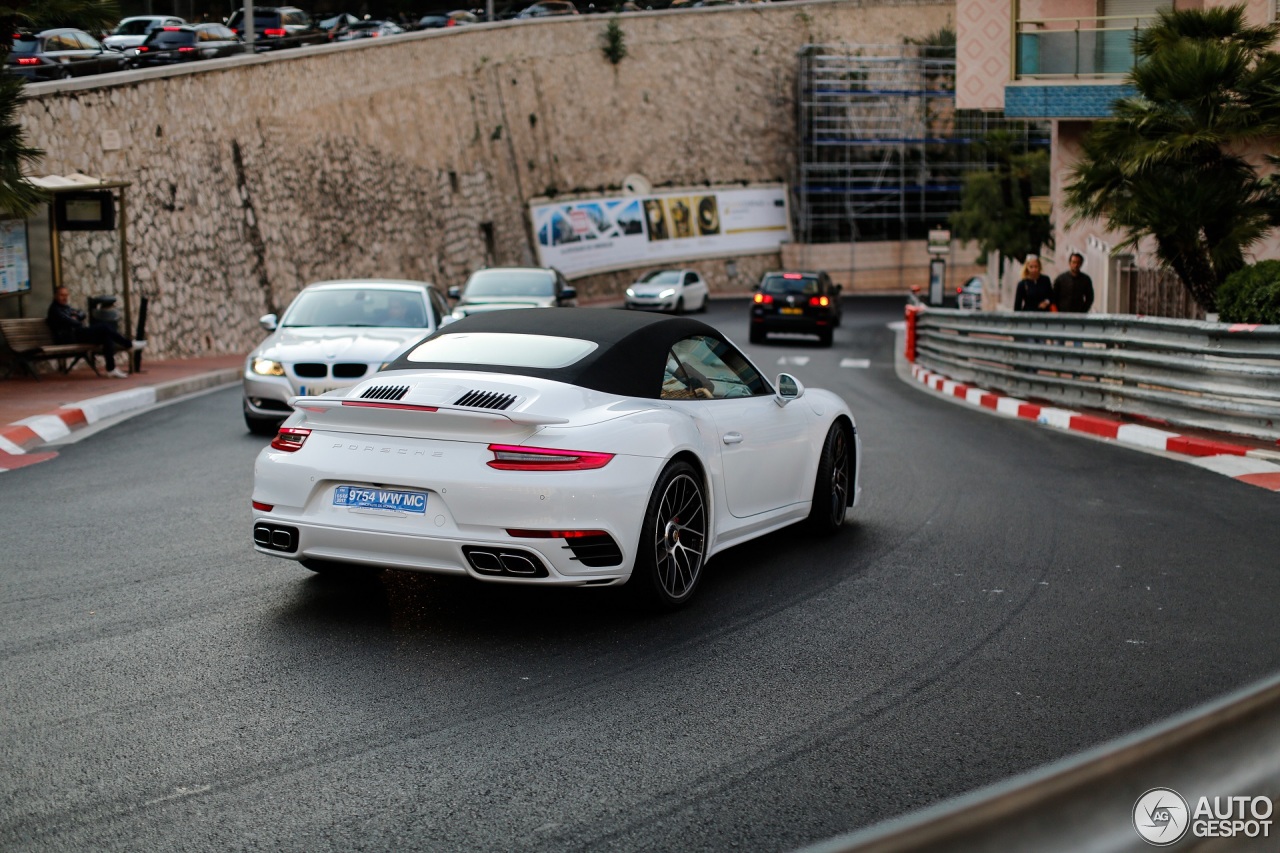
(61, 53)
(169, 45)
(803, 302)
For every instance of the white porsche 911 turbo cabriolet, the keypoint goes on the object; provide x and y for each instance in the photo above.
(567, 446)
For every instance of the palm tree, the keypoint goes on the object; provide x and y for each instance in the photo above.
(18, 196)
(1167, 165)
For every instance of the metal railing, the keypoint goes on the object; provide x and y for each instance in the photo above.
(1185, 372)
(1076, 47)
(1229, 748)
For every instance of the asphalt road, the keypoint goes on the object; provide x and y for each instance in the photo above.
(1004, 595)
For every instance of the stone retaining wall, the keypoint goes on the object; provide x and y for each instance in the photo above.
(416, 157)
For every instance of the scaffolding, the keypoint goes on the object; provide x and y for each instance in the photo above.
(883, 149)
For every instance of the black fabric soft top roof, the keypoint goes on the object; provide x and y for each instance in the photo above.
(628, 361)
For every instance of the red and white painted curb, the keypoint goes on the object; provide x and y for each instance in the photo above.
(19, 440)
(1249, 465)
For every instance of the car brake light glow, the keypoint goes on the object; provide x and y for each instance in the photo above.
(794, 276)
(261, 507)
(290, 439)
(764, 299)
(28, 60)
(960, 289)
(274, 32)
(376, 404)
(186, 50)
(820, 301)
(507, 457)
(554, 534)
(171, 29)
(143, 49)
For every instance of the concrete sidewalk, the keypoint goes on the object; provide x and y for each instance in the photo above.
(36, 412)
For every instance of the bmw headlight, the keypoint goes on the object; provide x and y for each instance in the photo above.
(670, 291)
(631, 291)
(267, 367)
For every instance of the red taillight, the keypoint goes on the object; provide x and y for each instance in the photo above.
(764, 299)
(276, 33)
(261, 507)
(186, 50)
(143, 49)
(28, 60)
(960, 289)
(377, 404)
(819, 301)
(451, 23)
(171, 29)
(508, 457)
(235, 30)
(290, 439)
(794, 276)
(554, 534)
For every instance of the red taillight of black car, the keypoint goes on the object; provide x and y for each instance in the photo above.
(290, 439)
(763, 299)
(509, 457)
(275, 33)
(28, 60)
(819, 301)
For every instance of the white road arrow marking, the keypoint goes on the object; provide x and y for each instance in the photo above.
(855, 362)
(798, 360)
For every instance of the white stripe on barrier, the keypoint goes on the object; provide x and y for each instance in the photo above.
(1144, 436)
(48, 427)
(98, 408)
(1009, 405)
(9, 447)
(974, 396)
(1060, 418)
(1234, 466)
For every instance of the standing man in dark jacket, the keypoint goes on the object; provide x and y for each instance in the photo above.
(68, 327)
(1073, 290)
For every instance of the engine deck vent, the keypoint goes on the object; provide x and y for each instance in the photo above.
(385, 392)
(485, 400)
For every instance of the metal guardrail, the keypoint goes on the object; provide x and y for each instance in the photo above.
(1229, 748)
(1186, 373)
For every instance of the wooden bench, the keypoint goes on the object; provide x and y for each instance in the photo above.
(29, 340)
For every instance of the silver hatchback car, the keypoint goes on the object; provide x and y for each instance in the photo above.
(332, 335)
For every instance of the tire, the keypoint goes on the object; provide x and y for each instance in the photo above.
(832, 483)
(679, 306)
(706, 297)
(673, 540)
(62, 73)
(261, 426)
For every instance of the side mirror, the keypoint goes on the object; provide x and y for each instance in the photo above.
(455, 292)
(268, 322)
(568, 293)
(789, 388)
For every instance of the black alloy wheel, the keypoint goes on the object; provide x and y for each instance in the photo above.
(832, 484)
(673, 539)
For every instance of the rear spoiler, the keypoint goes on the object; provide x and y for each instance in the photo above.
(320, 404)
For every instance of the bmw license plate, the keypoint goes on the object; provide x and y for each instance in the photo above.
(792, 310)
(315, 390)
(389, 499)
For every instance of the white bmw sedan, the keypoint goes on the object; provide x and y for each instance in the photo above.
(334, 334)
(560, 447)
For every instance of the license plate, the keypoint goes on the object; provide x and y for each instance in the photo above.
(389, 499)
(792, 310)
(315, 390)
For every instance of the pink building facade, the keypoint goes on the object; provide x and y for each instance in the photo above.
(1065, 61)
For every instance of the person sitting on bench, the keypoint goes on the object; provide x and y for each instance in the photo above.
(69, 327)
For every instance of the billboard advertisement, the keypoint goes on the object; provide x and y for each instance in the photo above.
(587, 236)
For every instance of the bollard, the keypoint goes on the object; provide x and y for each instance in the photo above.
(912, 312)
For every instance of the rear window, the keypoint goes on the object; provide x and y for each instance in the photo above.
(26, 44)
(782, 284)
(171, 38)
(136, 27)
(503, 349)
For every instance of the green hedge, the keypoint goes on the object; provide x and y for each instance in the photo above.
(1251, 295)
